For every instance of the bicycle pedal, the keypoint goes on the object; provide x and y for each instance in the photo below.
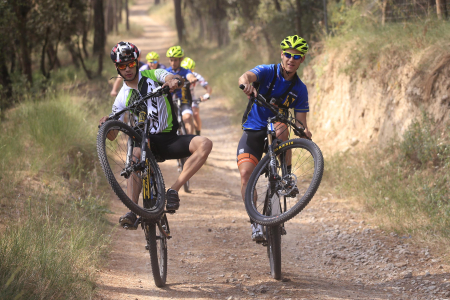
(170, 211)
(283, 231)
(129, 227)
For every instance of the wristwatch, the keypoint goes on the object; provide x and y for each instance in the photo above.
(179, 81)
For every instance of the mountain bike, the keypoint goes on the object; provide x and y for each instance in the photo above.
(283, 182)
(181, 131)
(134, 176)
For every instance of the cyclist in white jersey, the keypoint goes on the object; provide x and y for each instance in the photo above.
(189, 63)
(163, 121)
(152, 63)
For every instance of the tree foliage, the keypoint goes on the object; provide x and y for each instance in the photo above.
(34, 31)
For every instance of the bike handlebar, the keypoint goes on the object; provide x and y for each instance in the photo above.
(156, 93)
(260, 100)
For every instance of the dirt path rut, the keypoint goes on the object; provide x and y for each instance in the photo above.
(329, 252)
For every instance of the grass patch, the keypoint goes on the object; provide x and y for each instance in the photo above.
(405, 186)
(52, 218)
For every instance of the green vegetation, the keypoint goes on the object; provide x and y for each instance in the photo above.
(405, 186)
(371, 46)
(53, 233)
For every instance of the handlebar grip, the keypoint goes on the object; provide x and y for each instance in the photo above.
(242, 86)
(166, 89)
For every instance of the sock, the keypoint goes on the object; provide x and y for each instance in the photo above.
(197, 132)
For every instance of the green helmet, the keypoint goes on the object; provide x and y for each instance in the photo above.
(175, 51)
(295, 42)
(152, 56)
(188, 63)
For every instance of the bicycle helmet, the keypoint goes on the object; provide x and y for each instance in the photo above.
(123, 52)
(295, 42)
(175, 51)
(152, 56)
(188, 63)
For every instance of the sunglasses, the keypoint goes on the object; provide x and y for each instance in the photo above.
(289, 55)
(124, 66)
(153, 62)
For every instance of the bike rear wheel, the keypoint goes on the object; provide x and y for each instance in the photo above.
(157, 247)
(117, 158)
(299, 167)
(181, 161)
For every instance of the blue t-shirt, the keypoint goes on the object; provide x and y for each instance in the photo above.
(255, 117)
(183, 73)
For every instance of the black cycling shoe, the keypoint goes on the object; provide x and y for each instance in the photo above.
(127, 221)
(173, 201)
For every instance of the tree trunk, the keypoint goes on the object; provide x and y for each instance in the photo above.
(277, 5)
(116, 19)
(43, 53)
(119, 11)
(53, 55)
(325, 16)
(21, 10)
(179, 20)
(298, 23)
(99, 28)
(5, 81)
(383, 12)
(439, 8)
(127, 15)
(73, 54)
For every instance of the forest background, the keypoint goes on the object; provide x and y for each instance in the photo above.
(53, 86)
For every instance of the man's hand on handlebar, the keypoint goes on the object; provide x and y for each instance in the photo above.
(173, 84)
(102, 120)
(249, 90)
(308, 133)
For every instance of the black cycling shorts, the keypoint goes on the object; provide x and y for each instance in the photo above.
(171, 145)
(251, 146)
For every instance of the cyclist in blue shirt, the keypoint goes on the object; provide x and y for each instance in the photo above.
(175, 55)
(273, 81)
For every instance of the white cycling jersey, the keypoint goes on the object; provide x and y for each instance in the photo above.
(160, 110)
(200, 80)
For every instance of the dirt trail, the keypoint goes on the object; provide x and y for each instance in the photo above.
(329, 252)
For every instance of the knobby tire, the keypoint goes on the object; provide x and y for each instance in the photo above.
(157, 247)
(315, 163)
(113, 164)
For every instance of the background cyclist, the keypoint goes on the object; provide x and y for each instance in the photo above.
(189, 63)
(152, 63)
(163, 121)
(175, 55)
(272, 81)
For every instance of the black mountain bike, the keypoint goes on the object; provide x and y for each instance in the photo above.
(133, 173)
(181, 131)
(283, 182)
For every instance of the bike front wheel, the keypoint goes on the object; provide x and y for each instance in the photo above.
(117, 147)
(157, 247)
(299, 169)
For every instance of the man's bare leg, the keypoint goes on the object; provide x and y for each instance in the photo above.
(200, 147)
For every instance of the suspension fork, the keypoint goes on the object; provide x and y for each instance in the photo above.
(273, 176)
(145, 173)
